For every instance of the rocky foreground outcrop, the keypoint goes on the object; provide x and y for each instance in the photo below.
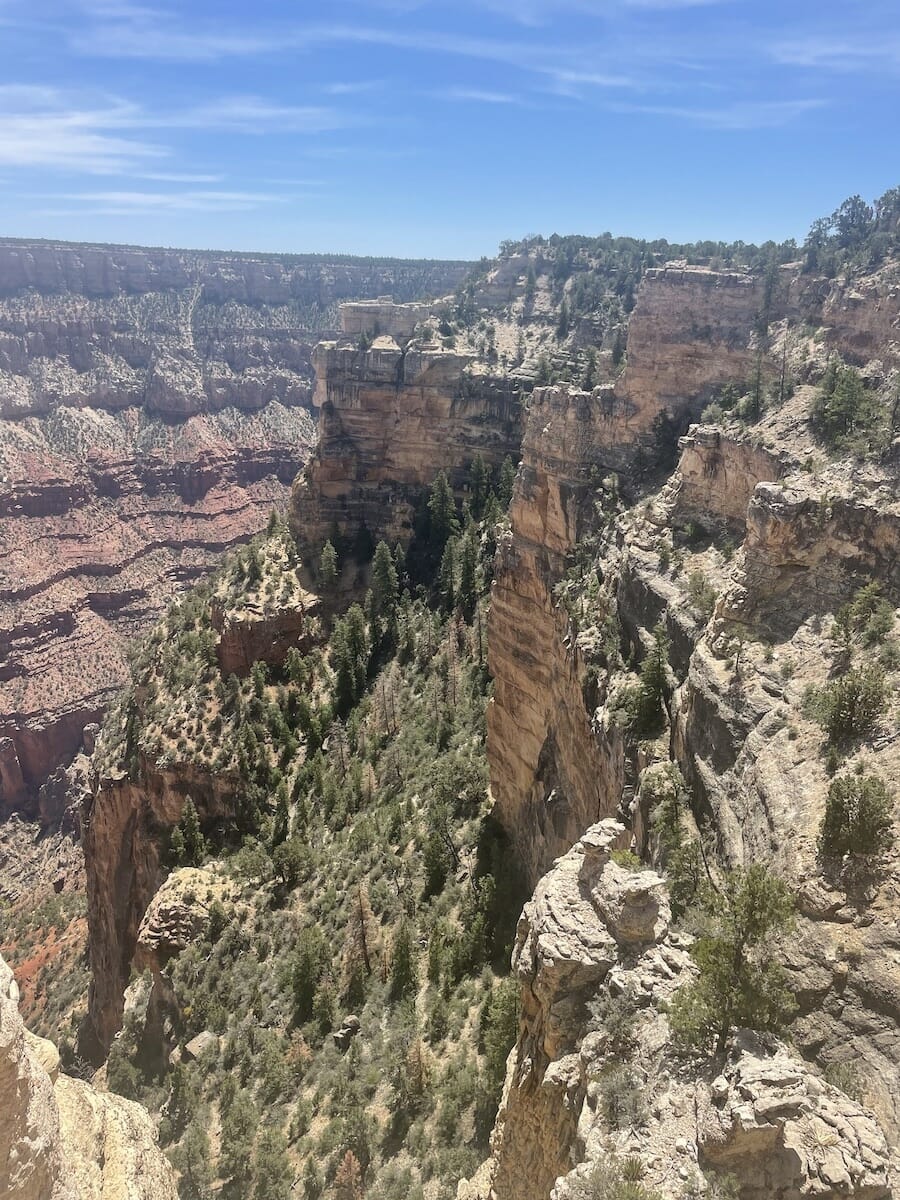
(154, 407)
(577, 1102)
(59, 1138)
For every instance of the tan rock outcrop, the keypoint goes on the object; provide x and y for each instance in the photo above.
(59, 1138)
(392, 415)
(597, 931)
(123, 824)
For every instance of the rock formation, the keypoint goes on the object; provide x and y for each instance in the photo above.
(394, 411)
(59, 1138)
(595, 930)
(153, 409)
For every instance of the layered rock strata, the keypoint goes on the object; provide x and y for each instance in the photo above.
(153, 409)
(394, 411)
(123, 825)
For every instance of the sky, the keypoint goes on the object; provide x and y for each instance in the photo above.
(426, 129)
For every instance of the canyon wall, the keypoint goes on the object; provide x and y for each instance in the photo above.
(394, 411)
(154, 407)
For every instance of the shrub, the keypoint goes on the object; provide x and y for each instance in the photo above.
(622, 1097)
(850, 706)
(701, 594)
(858, 818)
(738, 983)
(610, 1179)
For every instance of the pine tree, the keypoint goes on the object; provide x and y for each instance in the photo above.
(328, 567)
(404, 974)
(466, 592)
(653, 690)
(350, 659)
(739, 983)
(359, 956)
(442, 513)
(187, 844)
(273, 1176)
(239, 1125)
(383, 599)
(446, 575)
(858, 818)
(307, 970)
(348, 1184)
(562, 327)
(507, 479)
(479, 479)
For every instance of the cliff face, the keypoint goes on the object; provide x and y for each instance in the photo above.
(553, 768)
(746, 554)
(124, 827)
(394, 411)
(153, 409)
(597, 932)
(59, 1138)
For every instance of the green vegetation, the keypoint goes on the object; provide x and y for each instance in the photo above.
(858, 818)
(850, 706)
(855, 235)
(650, 701)
(847, 414)
(739, 983)
(369, 880)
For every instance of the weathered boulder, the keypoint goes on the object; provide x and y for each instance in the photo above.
(59, 1138)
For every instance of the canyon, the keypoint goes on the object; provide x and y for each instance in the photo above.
(652, 508)
(154, 408)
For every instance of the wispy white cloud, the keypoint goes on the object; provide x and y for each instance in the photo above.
(38, 130)
(476, 95)
(351, 88)
(101, 135)
(128, 203)
(734, 117)
(252, 114)
(177, 177)
(851, 53)
(156, 36)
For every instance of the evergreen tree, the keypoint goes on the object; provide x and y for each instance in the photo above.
(350, 659)
(653, 690)
(383, 600)
(273, 1176)
(466, 592)
(443, 520)
(313, 1187)
(191, 1158)
(739, 983)
(187, 844)
(308, 968)
(239, 1125)
(446, 588)
(858, 818)
(507, 479)
(530, 286)
(404, 974)
(562, 327)
(328, 567)
(479, 481)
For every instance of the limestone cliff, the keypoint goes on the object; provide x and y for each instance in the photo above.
(394, 410)
(59, 1138)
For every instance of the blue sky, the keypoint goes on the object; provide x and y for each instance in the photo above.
(413, 127)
